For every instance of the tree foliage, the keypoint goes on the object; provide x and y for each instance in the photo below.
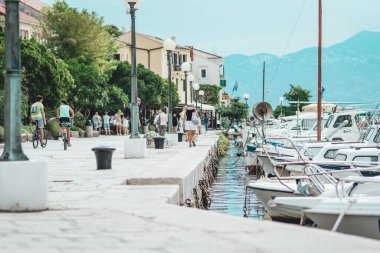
(211, 96)
(70, 33)
(152, 89)
(44, 73)
(90, 85)
(297, 93)
(235, 111)
(286, 111)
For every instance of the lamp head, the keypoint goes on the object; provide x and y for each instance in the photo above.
(135, 3)
(190, 78)
(196, 86)
(201, 93)
(246, 96)
(169, 45)
(186, 66)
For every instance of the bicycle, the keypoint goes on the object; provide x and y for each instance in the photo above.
(64, 134)
(37, 138)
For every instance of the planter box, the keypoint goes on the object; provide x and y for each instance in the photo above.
(74, 134)
(150, 144)
(95, 133)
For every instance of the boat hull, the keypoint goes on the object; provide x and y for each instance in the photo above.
(362, 225)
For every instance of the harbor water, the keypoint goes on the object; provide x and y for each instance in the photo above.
(228, 190)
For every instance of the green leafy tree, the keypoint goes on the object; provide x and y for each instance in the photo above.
(113, 31)
(70, 33)
(152, 89)
(44, 74)
(90, 89)
(297, 93)
(116, 100)
(286, 111)
(211, 96)
(235, 111)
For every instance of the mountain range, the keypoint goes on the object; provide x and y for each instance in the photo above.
(350, 71)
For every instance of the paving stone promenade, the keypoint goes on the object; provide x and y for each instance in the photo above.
(95, 211)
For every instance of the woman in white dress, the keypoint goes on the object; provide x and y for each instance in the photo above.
(125, 125)
(190, 123)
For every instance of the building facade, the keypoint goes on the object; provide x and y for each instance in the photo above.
(30, 15)
(151, 53)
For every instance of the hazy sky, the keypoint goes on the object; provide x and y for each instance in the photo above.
(243, 26)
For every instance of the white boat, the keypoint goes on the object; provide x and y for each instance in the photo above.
(356, 216)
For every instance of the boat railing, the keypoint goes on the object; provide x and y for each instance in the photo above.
(269, 141)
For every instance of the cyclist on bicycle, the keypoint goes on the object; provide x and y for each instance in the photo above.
(38, 116)
(63, 114)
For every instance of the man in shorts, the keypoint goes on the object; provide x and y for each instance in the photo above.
(37, 113)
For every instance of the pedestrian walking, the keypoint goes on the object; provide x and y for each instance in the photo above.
(205, 121)
(175, 122)
(106, 123)
(125, 124)
(191, 122)
(96, 121)
(117, 119)
(161, 120)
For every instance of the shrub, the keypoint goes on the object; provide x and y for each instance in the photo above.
(223, 145)
(79, 120)
(52, 127)
(27, 129)
(80, 130)
(2, 137)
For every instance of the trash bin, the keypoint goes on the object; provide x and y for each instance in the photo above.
(89, 129)
(159, 142)
(180, 136)
(103, 156)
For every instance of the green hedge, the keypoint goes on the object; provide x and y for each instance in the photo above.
(52, 126)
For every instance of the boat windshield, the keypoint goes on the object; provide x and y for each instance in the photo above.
(329, 120)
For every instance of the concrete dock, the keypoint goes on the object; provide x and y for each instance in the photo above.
(135, 208)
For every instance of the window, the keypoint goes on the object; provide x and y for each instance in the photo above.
(24, 34)
(341, 119)
(184, 58)
(329, 120)
(369, 159)
(203, 73)
(340, 157)
(376, 139)
(313, 151)
(307, 124)
(184, 85)
(330, 154)
(175, 60)
(116, 57)
(176, 83)
(369, 133)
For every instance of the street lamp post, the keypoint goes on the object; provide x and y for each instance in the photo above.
(12, 107)
(169, 46)
(190, 78)
(201, 93)
(196, 88)
(246, 97)
(134, 91)
(281, 101)
(186, 68)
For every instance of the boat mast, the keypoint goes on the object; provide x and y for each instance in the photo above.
(264, 82)
(319, 127)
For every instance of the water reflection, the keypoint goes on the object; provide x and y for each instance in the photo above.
(228, 190)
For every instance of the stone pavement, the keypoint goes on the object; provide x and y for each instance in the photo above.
(96, 211)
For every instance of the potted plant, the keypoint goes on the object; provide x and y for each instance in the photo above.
(149, 138)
